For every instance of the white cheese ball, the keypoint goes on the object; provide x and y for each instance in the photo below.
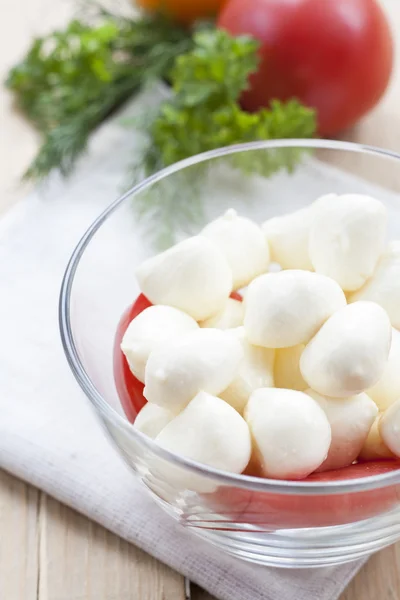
(152, 419)
(193, 276)
(384, 285)
(374, 447)
(287, 308)
(291, 433)
(288, 236)
(205, 359)
(243, 244)
(387, 390)
(347, 238)
(211, 432)
(351, 420)
(349, 353)
(229, 317)
(255, 371)
(149, 330)
(389, 428)
(287, 374)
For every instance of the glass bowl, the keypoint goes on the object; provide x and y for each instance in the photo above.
(277, 523)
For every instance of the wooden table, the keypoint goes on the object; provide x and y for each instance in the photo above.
(47, 551)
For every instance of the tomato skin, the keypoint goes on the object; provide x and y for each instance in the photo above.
(184, 11)
(333, 55)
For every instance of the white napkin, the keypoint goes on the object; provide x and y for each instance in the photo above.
(49, 435)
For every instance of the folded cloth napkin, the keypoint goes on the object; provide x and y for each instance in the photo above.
(49, 435)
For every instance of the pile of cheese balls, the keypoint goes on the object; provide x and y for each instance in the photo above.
(304, 374)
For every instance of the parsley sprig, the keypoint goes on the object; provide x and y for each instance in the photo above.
(203, 114)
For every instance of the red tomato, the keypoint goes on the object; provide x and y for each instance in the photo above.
(368, 469)
(278, 511)
(130, 389)
(236, 296)
(333, 55)
(263, 508)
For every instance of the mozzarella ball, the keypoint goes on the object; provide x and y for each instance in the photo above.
(204, 359)
(351, 420)
(210, 432)
(389, 428)
(347, 238)
(384, 285)
(287, 374)
(149, 330)
(243, 244)
(374, 447)
(193, 276)
(229, 317)
(152, 419)
(287, 308)
(349, 353)
(255, 371)
(387, 390)
(288, 236)
(291, 433)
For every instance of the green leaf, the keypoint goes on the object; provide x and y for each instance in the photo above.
(204, 115)
(216, 70)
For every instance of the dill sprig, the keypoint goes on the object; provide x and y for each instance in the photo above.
(71, 80)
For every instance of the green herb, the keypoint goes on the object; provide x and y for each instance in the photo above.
(71, 80)
(204, 114)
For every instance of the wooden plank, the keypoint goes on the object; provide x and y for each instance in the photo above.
(79, 560)
(380, 578)
(19, 539)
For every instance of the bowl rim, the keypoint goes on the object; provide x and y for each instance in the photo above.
(107, 413)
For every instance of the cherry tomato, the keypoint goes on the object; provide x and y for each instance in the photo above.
(333, 55)
(184, 11)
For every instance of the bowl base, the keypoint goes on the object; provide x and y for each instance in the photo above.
(307, 548)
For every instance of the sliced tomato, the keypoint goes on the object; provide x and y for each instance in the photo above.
(129, 388)
(265, 509)
(368, 469)
(278, 511)
(236, 296)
